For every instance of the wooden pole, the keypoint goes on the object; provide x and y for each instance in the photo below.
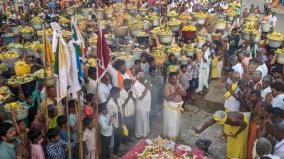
(81, 155)
(98, 139)
(68, 128)
(45, 75)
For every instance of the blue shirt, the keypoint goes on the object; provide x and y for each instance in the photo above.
(7, 151)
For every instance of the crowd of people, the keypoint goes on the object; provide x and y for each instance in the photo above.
(120, 105)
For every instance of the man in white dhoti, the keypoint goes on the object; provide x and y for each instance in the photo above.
(142, 96)
(173, 93)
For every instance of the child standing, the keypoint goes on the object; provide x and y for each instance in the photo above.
(106, 130)
(89, 138)
(184, 78)
(36, 150)
(56, 148)
(195, 78)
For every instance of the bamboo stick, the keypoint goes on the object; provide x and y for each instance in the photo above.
(45, 75)
(68, 128)
(81, 155)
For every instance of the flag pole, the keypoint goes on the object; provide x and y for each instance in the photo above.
(80, 127)
(68, 128)
(45, 83)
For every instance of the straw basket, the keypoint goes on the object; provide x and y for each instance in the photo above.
(174, 28)
(165, 39)
(120, 30)
(201, 43)
(221, 26)
(20, 51)
(280, 58)
(265, 27)
(135, 31)
(155, 22)
(274, 43)
(20, 114)
(10, 62)
(188, 52)
(27, 36)
(70, 11)
(147, 26)
(15, 29)
(201, 20)
(37, 26)
(143, 11)
(137, 54)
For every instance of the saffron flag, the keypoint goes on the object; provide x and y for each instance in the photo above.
(49, 56)
(103, 54)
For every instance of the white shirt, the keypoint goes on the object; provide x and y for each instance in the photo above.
(114, 109)
(207, 57)
(89, 137)
(272, 20)
(145, 103)
(129, 107)
(104, 91)
(113, 73)
(278, 101)
(264, 92)
(232, 103)
(263, 69)
(279, 149)
(239, 68)
(106, 129)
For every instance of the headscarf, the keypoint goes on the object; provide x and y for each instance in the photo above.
(220, 117)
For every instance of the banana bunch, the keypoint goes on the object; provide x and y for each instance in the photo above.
(156, 30)
(158, 53)
(250, 24)
(3, 67)
(231, 12)
(172, 68)
(66, 33)
(92, 62)
(40, 73)
(252, 18)
(174, 49)
(184, 16)
(189, 28)
(63, 20)
(142, 34)
(280, 51)
(93, 39)
(5, 93)
(21, 64)
(189, 47)
(166, 31)
(135, 24)
(276, 36)
(26, 29)
(154, 17)
(36, 20)
(132, 7)
(35, 46)
(15, 45)
(9, 35)
(250, 30)
(126, 57)
(183, 59)
(8, 55)
(201, 38)
(49, 31)
(20, 79)
(172, 14)
(235, 4)
(199, 15)
(174, 21)
(14, 106)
